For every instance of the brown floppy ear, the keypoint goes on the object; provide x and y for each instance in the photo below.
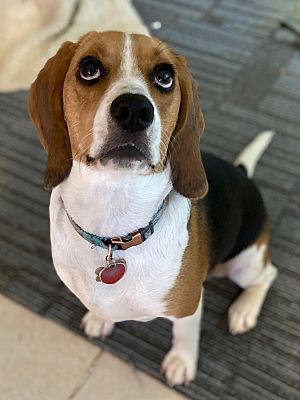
(188, 175)
(46, 112)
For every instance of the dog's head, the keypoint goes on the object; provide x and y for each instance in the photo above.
(121, 101)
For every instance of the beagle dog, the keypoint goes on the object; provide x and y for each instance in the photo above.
(138, 216)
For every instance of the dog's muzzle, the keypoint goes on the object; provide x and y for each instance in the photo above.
(128, 140)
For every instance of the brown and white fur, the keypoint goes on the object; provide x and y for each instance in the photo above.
(165, 273)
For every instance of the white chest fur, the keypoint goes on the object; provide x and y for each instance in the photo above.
(109, 210)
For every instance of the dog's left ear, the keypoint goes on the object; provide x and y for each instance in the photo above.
(45, 108)
(188, 175)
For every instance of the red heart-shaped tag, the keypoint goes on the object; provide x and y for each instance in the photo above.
(113, 273)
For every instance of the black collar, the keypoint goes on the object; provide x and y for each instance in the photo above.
(119, 242)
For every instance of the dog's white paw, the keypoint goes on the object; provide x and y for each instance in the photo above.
(94, 326)
(179, 366)
(242, 316)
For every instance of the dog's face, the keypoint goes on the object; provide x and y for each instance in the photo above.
(120, 101)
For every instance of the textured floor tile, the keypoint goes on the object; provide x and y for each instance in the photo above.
(39, 360)
(113, 379)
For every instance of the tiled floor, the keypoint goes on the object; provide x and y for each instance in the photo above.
(40, 360)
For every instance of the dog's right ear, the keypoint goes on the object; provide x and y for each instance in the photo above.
(188, 174)
(46, 112)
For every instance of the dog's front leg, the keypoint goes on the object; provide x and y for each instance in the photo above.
(180, 363)
(94, 326)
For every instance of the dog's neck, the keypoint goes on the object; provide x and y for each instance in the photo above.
(111, 202)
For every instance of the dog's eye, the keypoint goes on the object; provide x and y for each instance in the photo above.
(164, 76)
(90, 69)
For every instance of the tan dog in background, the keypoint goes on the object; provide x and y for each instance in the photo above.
(33, 30)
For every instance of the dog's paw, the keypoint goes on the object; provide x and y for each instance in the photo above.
(242, 316)
(179, 367)
(94, 326)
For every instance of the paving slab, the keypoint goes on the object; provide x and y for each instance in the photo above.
(40, 360)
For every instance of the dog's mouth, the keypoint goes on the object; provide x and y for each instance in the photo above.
(123, 155)
(124, 152)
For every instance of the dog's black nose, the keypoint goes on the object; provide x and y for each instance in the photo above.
(132, 112)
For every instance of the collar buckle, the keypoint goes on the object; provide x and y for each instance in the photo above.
(136, 239)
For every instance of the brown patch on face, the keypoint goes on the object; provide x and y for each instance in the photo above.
(184, 297)
(181, 117)
(63, 109)
(264, 239)
(81, 101)
(149, 53)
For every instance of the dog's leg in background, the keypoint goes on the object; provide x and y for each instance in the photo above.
(180, 363)
(95, 326)
(249, 271)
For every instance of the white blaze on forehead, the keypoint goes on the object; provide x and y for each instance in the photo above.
(128, 64)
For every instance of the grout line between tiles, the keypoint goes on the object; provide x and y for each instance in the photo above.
(86, 375)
